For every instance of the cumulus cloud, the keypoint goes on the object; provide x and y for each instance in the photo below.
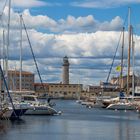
(103, 3)
(69, 25)
(86, 24)
(90, 52)
(38, 21)
(24, 3)
(28, 3)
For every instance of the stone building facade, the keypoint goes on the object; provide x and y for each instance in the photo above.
(14, 80)
(66, 91)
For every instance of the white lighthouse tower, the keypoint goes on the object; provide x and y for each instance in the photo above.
(65, 69)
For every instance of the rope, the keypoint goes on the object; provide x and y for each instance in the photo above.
(30, 45)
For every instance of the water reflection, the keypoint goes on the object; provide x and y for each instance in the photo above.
(4, 126)
(76, 122)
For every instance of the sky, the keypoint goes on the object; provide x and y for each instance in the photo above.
(87, 31)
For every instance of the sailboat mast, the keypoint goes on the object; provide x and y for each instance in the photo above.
(129, 50)
(4, 58)
(20, 53)
(8, 40)
(121, 73)
(3, 35)
(133, 65)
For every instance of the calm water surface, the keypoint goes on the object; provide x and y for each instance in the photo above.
(75, 123)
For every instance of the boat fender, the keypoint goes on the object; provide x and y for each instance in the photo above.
(59, 112)
(89, 106)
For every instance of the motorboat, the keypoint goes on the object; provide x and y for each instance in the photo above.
(122, 106)
(35, 107)
(98, 104)
(107, 102)
(78, 101)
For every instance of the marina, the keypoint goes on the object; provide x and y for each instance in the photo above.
(75, 122)
(67, 75)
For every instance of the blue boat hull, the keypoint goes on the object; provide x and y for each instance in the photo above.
(18, 113)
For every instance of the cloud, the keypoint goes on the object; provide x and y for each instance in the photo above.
(38, 21)
(103, 3)
(90, 54)
(70, 24)
(90, 46)
(28, 3)
(33, 3)
(86, 24)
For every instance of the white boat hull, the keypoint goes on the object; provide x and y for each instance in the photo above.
(121, 106)
(6, 113)
(38, 110)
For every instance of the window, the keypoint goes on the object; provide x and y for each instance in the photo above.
(65, 93)
(29, 99)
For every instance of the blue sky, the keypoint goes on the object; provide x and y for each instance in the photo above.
(66, 9)
(58, 9)
(87, 31)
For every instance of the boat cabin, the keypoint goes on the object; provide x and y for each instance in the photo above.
(29, 99)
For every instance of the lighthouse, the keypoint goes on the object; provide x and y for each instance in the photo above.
(65, 70)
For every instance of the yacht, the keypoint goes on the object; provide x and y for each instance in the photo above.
(98, 104)
(122, 106)
(10, 113)
(35, 107)
(6, 113)
(107, 102)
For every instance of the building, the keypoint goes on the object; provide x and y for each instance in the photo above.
(41, 89)
(14, 80)
(65, 70)
(105, 86)
(94, 89)
(66, 91)
(117, 80)
(87, 95)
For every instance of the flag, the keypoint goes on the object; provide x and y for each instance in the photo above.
(118, 68)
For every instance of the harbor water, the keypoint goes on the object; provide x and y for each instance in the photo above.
(75, 123)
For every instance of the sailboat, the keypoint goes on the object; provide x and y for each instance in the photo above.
(35, 107)
(8, 109)
(123, 103)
